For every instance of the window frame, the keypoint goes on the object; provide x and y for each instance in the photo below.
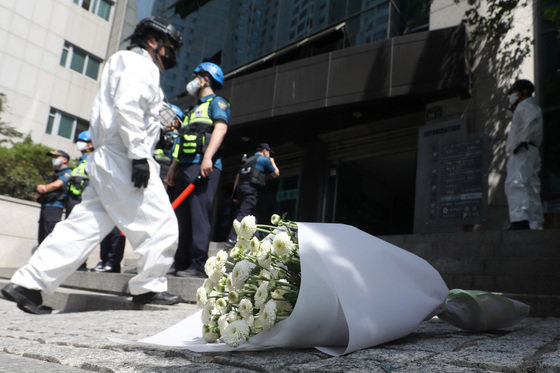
(56, 117)
(69, 56)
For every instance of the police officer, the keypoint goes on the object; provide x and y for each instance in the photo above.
(52, 194)
(164, 148)
(197, 153)
(250, 178)
(112, 246)
(124, 188)
(523, 185)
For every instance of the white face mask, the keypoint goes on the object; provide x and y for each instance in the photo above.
(81, 145)
(193, 86)
(56, 162)
(513, 98)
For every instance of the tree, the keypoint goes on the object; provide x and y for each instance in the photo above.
(6, 131)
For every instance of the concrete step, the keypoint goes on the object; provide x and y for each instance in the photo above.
(117, 283)
(75, 300)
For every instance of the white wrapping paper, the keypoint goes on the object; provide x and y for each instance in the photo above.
(357, 291)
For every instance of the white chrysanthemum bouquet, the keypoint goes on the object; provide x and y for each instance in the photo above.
(255, 286)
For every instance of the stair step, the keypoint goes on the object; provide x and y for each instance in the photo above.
(75, 300)
(117, 283)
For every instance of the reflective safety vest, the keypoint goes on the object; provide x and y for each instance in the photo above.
(196, 131)
(78, 179)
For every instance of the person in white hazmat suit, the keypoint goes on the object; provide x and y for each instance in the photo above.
(522, 185)
(125, 189)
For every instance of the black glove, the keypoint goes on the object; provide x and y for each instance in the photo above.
(140, 172)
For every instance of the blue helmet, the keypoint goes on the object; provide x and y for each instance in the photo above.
(84, 136)
(177, 110)
(211, 68)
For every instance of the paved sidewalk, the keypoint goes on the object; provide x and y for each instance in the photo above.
(78, 342)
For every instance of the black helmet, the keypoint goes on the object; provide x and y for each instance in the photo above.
(523, 85)
(157, 27)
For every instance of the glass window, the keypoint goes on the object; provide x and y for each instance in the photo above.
(92, 69)
(65, 126)
(78, 61)
(64, 55)
(86, 4)
(104, 10)
(81, 125)
(50, 122)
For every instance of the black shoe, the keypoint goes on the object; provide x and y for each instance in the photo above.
(191, 272)
(519, 225)
(97, 267)
(230, 244)
(106, 268)
(27, 300)
(156, 298)
(83, 267)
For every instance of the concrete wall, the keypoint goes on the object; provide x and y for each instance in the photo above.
(18, 234)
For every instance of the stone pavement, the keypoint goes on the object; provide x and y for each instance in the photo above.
(78, 342)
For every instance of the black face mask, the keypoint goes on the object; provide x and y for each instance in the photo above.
(168, 60)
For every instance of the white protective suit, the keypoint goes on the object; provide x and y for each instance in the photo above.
(124, 127)
(523, 184)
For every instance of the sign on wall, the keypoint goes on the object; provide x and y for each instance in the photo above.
(452, 177)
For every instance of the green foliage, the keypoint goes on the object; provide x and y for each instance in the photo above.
(22, 167)
(552, 14)
(6, 131)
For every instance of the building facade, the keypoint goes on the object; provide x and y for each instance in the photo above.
(382, 115)
(52, 57)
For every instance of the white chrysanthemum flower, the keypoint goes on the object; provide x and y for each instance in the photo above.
(261, 295)
(235, 252)
(248, 227)
(206, 314)
(221, 258)
(222, 323)
(201, 297)
(245, 307)
(254, 245)
(236, 333)
(221, 304)
(267, 316)
(233, 297)
(217, 275)
(240, 273)
(283, 306)
(244, 245)
(232, 316)
(264, 274)
(210, 266)
(208, 285)
(237, 226)
(229, 283)
(275, 219)
(282, 245)
(250, 320)
(209, 335)
(278, 294)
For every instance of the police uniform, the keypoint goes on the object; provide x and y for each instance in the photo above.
(194, 214)
(52, 204)
(251, 178)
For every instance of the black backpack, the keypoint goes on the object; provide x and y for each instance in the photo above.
(248, 172)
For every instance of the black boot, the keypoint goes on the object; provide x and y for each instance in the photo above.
(519, 225)
(156, 298)
(27, 300)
